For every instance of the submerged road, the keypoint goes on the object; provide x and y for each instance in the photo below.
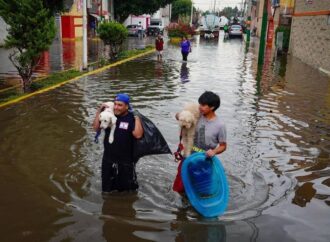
(277, 159)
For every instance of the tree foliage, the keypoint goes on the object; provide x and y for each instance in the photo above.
(123, 8)
(113, 34)
(180, 30)
(181, 8)
(54, 6)
(230, 12)
(31, 32)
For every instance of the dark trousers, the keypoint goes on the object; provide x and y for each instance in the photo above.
(120, 176)
(184, 55)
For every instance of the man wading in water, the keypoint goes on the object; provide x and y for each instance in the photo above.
(118, 166)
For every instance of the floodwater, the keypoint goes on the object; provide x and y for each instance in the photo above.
(277, 159)
(62, 55)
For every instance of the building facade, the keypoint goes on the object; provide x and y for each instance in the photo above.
(144, 20)
(72, 19)
(310, 33)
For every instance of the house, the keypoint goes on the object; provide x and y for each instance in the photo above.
(72, 19)
(162, 14)
(310, 33)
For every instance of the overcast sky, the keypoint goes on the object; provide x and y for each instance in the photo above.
(219, 4)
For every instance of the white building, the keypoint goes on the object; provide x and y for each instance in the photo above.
(163, 14)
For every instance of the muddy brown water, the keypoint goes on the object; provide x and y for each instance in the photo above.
(277, 159)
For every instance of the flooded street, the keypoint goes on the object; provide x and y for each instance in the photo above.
(277, 160)
(62, 55)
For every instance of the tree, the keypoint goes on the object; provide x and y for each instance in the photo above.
(113, 34)
(123, 8)
(229, 12)
(31, 32)
(181, 8)
(55, 6)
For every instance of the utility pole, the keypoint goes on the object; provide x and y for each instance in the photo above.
(191, 12)
(248, 21)
(112, 10)
(85, 34)
(101, 11)
(214, 6)
(263, 34)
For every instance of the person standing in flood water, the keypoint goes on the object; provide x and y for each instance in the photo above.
(185, 48)
(118, 166)
(159, 47)
(210, 134)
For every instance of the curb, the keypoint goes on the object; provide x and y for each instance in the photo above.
(39, 79)
(74, 79)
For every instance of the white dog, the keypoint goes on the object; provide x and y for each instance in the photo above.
(188, 119)
(108, 120)
(208, 36)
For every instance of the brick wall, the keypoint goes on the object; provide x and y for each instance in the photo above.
(310, 35)
(316, 5)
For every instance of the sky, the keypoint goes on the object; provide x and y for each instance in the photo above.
(219, 4)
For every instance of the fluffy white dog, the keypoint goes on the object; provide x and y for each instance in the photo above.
(208, 36)
(188, 119)
(108, 120)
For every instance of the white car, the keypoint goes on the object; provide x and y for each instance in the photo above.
(235, 30)
(135, 30)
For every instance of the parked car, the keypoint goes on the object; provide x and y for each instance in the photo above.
(156, 27)
(152, 30)
(135, 30)
(235, 30)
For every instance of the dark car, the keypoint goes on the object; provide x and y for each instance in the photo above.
(154, 30)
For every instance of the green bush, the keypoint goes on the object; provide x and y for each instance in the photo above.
(180, 30)
(113, 34)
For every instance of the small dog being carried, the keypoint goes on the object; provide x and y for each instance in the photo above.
(108, 120)
(188, 119)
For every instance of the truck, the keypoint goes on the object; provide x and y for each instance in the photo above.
(209, 26)
(156, 27)
(223, 21)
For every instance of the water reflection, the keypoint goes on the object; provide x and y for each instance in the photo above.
(159, 70)
(184, 72)
(62, 55)
(190, 232)
(304, 194)
(117, 210)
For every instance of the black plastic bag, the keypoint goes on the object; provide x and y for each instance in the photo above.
(152, 142)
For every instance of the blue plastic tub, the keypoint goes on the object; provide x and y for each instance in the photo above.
(205, 184)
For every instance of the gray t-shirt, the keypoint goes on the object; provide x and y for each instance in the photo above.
(209, 133)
